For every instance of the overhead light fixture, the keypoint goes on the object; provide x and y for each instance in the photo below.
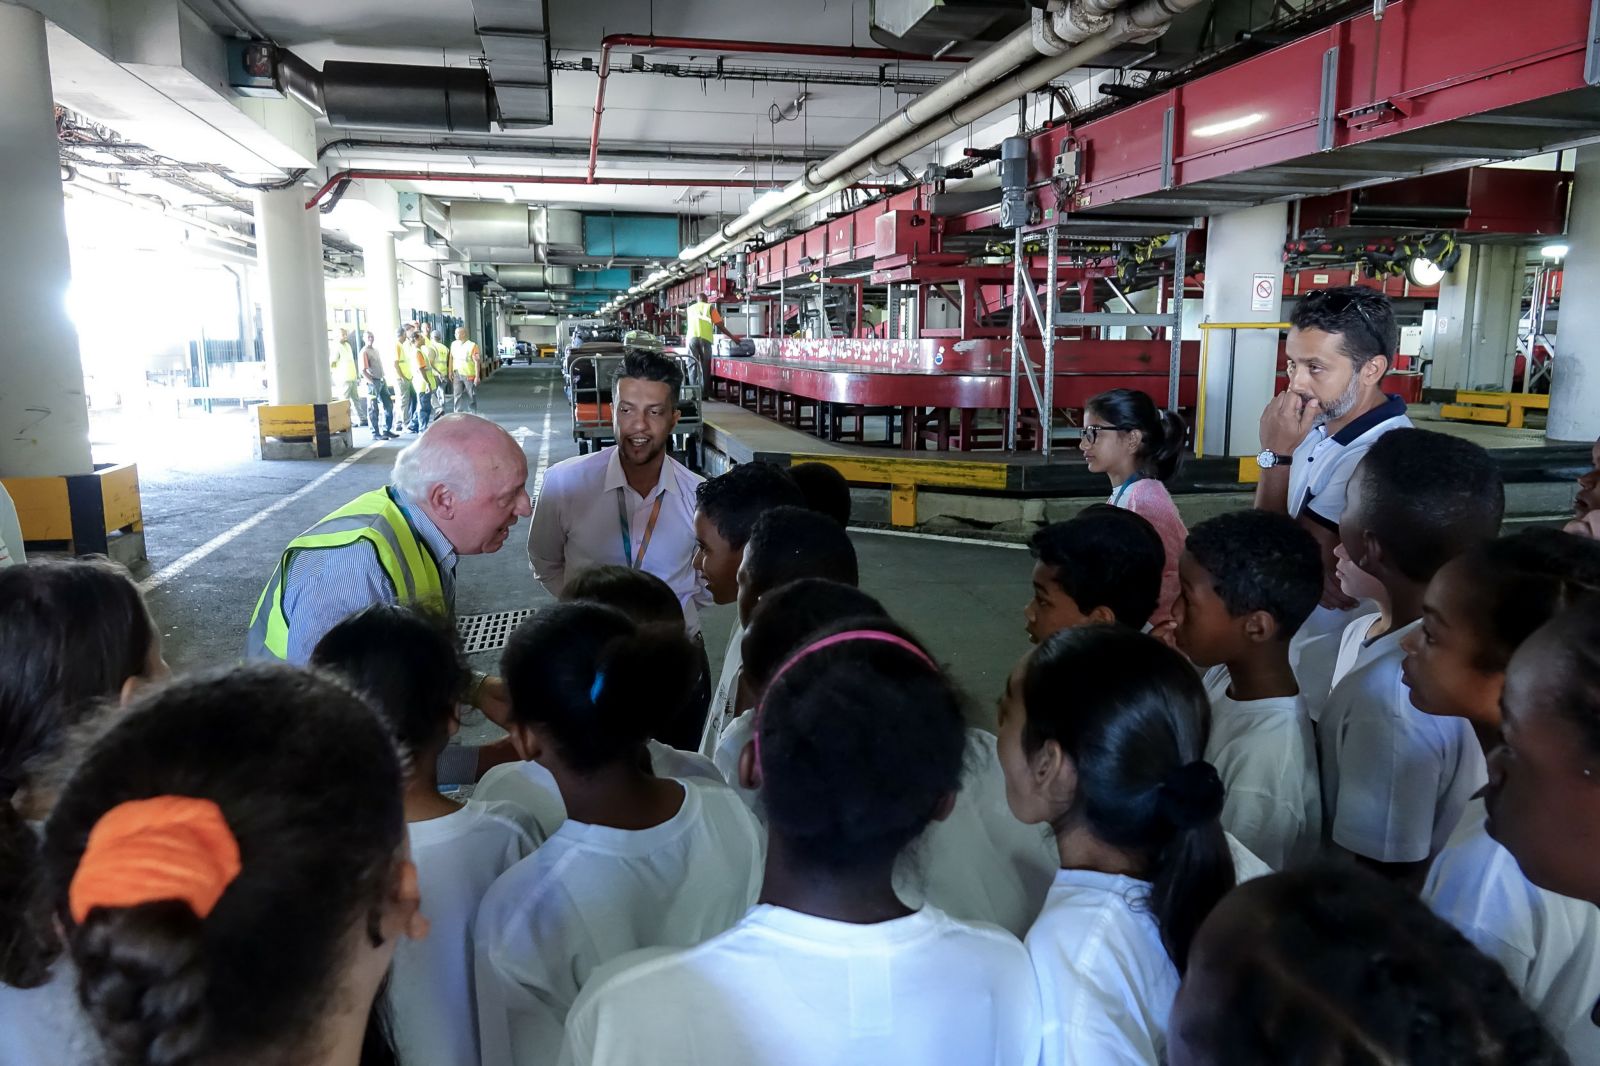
(1424, 272)
(1555, 251)
(1231, 125)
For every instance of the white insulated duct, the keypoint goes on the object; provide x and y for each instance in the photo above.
(1142, 21)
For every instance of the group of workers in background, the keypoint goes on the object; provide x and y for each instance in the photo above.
(420, 373)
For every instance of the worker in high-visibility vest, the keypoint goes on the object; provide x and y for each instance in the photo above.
(704, 322)
(465, 360)
(422, 377)
(440, 358)
(405, 392)
(347, 377)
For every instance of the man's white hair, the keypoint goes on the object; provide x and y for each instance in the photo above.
(436, 458)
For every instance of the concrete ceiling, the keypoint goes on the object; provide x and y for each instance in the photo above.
(642, 110)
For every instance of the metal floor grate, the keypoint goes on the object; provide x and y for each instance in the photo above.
(489, 632)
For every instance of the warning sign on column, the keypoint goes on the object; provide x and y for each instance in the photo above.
(1263, 292)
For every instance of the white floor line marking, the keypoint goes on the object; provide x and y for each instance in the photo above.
(979, 542)
(185, 561)
(544, 453)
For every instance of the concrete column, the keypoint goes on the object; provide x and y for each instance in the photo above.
(383, 293)
(1240, 245)
(1450, 344)
(44, 415)
(1497, 305)
(422, 286)
(1575, 382)
(283, 254)
(317, 324)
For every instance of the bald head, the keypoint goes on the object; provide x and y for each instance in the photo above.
(461, 333)
(469, 476)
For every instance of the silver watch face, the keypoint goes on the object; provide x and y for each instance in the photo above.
(1267, 459)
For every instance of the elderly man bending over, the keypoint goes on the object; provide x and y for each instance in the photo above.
(456, 491)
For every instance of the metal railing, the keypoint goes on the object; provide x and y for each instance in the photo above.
(1233, 328)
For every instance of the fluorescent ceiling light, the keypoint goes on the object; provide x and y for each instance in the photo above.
(1555, 251)
(1228, 126)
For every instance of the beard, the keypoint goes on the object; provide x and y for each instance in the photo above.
(1344, 404)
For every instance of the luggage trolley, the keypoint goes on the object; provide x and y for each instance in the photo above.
(589, 390)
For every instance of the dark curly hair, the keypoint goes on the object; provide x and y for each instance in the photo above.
(733, 500)
(641, 364)
(789, 543)
(1334, 964)
(1428, 497)
(1105, 556)
(789, 615)
(1520, 582)
(309, 781)
(859, 744)
(1260, 561)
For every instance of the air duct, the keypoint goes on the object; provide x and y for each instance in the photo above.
(387, 95)
(482, 224)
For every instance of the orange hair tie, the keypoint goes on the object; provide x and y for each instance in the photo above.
(166, 847)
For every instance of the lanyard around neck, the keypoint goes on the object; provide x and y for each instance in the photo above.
(1122, 489)
(636, 562)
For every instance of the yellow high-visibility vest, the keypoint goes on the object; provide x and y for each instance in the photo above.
(373, 518)
(701, 326)
(465, 355)
(345, 362)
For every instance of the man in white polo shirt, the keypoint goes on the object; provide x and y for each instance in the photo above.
(630, 504)
(1341, 344)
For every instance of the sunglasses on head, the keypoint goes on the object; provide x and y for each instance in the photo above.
(1337, 302)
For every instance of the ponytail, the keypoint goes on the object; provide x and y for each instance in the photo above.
(1134, 727)
(27, 943)
(1195, 868)
(596, 682)
(1163, 433)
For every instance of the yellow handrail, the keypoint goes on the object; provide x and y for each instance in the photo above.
(1205, 351)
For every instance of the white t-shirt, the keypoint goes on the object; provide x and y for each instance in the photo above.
(726, 694)
(980, 864)
(1106, 984)
(1314, 653)
(783, 988)
(1394, 779)
(1323, 463)
(533, 789)
(1266, 755)
(1548, 944)
(458, 857)
(592, 893)
(45, 1026)
(11, 550)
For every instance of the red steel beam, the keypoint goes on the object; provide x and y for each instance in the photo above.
(1427, 62)
(714, 44)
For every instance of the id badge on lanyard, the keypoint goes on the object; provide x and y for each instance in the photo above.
(636, 562)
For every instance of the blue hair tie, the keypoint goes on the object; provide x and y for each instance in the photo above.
(599, 684)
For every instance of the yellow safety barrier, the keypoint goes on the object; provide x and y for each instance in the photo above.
(1507, 409)
(905, 476)
(1206, 329)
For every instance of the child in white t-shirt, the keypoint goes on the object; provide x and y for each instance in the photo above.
(726, 509)
(980, 863)
(1247, 580)
(409, 668)
(1478, 609)
(640, 861)
(858, 745)
(1102, 736)
(1395, 780)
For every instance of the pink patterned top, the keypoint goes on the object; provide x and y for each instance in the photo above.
(1149, 499)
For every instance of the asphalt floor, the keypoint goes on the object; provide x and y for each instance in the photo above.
(216, 520)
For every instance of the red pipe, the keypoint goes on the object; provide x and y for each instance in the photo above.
(714, 44)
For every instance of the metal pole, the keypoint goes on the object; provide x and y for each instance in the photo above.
(1180, 245)
(1016, 337)
(1047, 330)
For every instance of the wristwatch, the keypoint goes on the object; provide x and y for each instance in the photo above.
(1269, 459)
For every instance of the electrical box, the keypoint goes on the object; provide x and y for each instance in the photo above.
(253, 68)
(903, 233)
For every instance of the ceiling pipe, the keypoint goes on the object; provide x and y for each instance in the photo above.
(713, 44)
(1142, 21)
(731, 154)
(536, 179)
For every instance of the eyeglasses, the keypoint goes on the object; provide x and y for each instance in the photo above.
(1337, 302)
(1092, 433)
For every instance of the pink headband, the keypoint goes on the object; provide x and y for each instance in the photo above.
(848, 637)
